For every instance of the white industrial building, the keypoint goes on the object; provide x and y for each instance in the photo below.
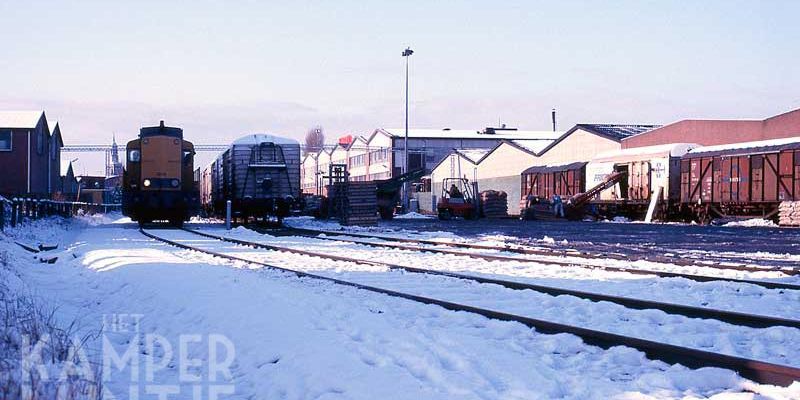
(381, 154)
(501, 168)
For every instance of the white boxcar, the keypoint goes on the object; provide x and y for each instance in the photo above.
(647, 169)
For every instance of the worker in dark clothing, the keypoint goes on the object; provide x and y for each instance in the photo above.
(455, 193)
(558, 206)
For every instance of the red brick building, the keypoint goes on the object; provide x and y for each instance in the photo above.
(718, 132)
(30, 154)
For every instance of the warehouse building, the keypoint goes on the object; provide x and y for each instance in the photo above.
(308, 173)
(32, 151)
(381, 154)
(427, 147)
(719, 132)
(358, 160)
(502, 168)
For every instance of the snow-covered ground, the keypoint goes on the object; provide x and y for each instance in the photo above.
(264, 334)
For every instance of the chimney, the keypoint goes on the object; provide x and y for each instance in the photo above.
(554, 119)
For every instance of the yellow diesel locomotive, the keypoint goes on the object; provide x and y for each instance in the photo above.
(158, 182)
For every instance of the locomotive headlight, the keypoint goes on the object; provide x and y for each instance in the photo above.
(146, 183)
(175, 183)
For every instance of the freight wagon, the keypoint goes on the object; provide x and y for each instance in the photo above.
(259, 174)
(741, 179)
(545, 181)
(647, 170)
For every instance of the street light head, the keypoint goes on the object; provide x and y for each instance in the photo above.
(407, 52)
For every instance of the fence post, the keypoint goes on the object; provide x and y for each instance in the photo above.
(228, 215)
(14, 211)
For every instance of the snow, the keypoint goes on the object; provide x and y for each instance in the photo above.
(754, 222)
(413, 215)
(259, 138)
(473, 155)
(20, 119)
(534, 146)
(645, 152)
(299, 338)
(746, 145)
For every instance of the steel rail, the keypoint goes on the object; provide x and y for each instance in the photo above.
(758, 371)
(569, 253)
(718, 261)
(637, 271)
(732, 317)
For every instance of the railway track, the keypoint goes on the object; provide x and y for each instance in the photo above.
(490, 257)
(688, 257)
(759, 371)
(567, 253)
(736, 318)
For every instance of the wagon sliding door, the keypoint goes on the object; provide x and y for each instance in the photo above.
(771, 177)
(757, 178)
(639, 188)
(786, 175)
(796, 175)
(745, 179)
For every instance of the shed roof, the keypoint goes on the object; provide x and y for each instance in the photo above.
(613, 132)
(619, 131)
(554, 168)
(55, 130)
(65, 166)
(474, 155)
(534, 146)
(761, 146)
(20, 119)
(447, 133)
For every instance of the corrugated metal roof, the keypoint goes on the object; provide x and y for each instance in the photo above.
(620, 131)
(20, 119)
(539, 169)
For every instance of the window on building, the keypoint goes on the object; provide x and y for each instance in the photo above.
(415, 161)
(5, 140)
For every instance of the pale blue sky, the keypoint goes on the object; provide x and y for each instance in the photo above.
(222, 69)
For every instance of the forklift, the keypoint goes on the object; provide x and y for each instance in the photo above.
(457, 200)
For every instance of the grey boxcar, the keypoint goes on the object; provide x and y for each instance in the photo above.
(259, 174)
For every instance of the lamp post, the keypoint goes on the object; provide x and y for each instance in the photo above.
(406, 54)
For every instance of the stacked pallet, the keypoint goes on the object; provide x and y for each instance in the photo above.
(494, 204)
(789, 213)
(361, 204)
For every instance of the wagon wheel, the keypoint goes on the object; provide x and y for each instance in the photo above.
(704, 215)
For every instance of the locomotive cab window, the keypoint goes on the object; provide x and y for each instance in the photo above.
(134, 156)
(5, 140)
(187, 157)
